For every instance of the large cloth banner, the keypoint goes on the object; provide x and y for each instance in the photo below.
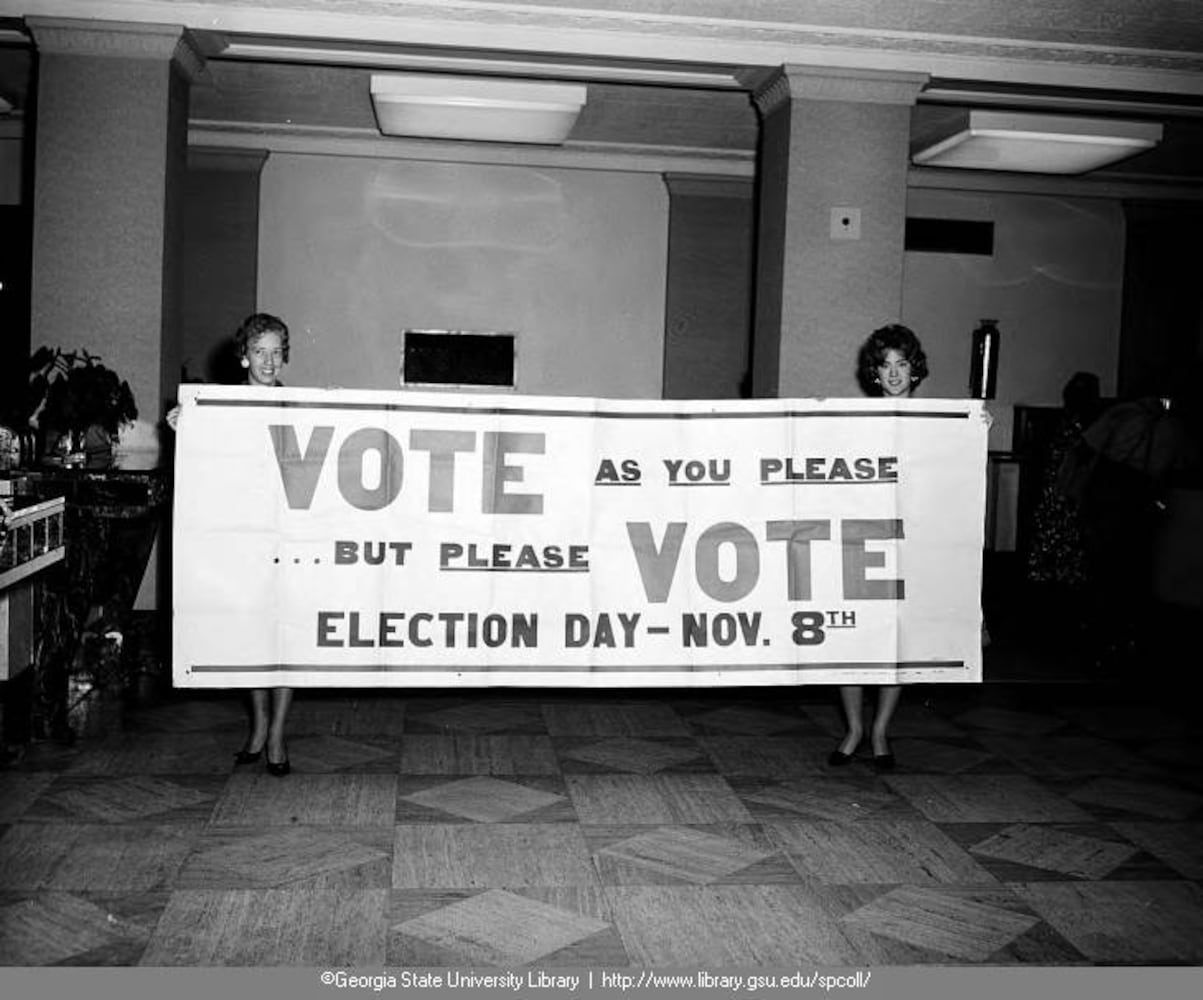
(341, 538)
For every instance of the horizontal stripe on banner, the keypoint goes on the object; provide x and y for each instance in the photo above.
(213, 668)
(504, 411)
(510, 569)
(825, 482)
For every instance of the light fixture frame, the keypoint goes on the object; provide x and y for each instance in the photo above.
(1034, 143)
(481, 109)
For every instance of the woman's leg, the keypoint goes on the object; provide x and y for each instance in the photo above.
(281, 701)
(887, 701)
(259, 721)
(852, 697)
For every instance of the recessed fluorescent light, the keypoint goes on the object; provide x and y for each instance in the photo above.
(1042, 144)
(431, 106)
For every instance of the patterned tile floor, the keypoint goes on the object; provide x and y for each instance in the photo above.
(1056, 824)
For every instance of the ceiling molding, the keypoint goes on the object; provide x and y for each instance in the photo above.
(433, 61)
(695, 186)
(1097, 185)
(964, 94)
(224, 160)
(870, 87)
(728, 35)
(368, 143)
(119, 39)
(772, 94)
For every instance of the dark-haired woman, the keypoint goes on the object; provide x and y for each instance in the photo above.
(261, 345)
(890, 363)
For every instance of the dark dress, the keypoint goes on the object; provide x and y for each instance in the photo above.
(1057, 556)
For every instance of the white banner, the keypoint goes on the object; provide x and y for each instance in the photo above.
(340, 538)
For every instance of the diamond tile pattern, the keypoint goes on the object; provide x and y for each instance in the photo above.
(942, 922)
(331, 753)
(657, 798)
(484, 799)
(97, 857)
(821, 798)
(56, 926)
(276, 857)
(910, 851)
(1180, 845)
(272, 927)
(476, 753)
(501, 928)
(481, 718)
(1055, 850)
(683, 854)
(776, 756)
(1023, 825)
(1151, 923)
(125, 800)
(1143, 798)
(985, 798)
(623, 753)
(744, 720)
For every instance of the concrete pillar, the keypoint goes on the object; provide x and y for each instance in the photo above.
(834, 157)
(110, 156)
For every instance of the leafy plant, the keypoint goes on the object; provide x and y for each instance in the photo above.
(72, 391)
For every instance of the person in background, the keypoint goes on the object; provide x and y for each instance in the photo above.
(890, 363)
(261, 345)
(1056, 559)
(1135, 452)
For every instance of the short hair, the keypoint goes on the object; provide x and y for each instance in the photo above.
(894, 337)
(254, 326)
(1081, 393)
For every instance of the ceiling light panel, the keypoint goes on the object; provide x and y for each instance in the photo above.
(433, 106)
(1027, 143)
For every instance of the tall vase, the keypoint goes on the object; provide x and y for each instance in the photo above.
(983, 377)
(97, 448)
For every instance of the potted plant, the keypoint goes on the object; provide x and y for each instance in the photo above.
(79, 404)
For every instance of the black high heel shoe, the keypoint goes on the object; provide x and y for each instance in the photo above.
(883, 762)
(278, 769)
(248, 756)
(837, 757)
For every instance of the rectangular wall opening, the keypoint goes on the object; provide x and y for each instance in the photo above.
(458, 358)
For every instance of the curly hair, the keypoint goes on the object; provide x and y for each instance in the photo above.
(254, 326)
(872, 356)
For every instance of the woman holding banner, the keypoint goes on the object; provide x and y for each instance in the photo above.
(261, 346)
(890, 363)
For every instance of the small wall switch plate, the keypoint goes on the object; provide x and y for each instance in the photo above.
(845, 223)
